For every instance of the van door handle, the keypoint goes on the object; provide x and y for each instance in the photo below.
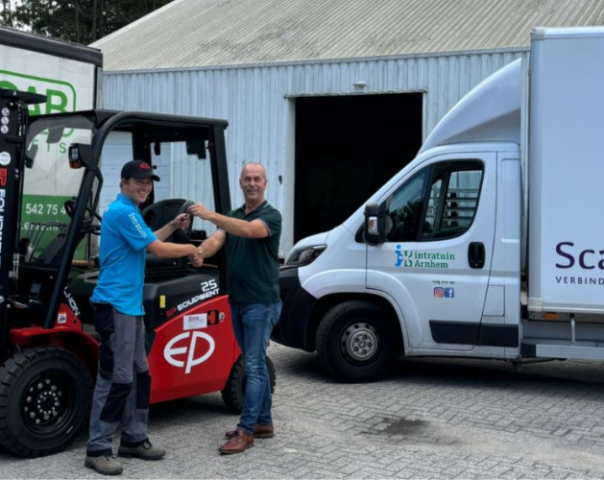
(476, 255)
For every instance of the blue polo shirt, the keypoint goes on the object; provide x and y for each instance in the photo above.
(124, 238)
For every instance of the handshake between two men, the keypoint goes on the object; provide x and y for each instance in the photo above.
(210, 246)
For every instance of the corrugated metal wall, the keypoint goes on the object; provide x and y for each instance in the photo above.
(259, 102)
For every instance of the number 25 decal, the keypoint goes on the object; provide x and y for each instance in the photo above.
(209, 285)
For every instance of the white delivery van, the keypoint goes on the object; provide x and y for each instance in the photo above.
(489, 244)
(70, 77)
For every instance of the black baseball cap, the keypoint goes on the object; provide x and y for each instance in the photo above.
(139, 170)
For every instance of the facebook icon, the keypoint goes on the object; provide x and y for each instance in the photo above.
(449, 292)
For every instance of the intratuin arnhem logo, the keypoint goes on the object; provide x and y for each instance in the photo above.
(402, 257)
(414, 259)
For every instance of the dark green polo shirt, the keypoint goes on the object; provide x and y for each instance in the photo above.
(254, 262)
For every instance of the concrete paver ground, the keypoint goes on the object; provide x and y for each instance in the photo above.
(432, 418)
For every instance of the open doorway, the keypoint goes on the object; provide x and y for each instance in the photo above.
(346, 148)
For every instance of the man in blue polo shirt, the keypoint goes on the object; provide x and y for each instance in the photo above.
(121, 395)
(251, 234)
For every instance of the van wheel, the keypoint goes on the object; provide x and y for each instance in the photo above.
(355, 343)
(234, 390)
(45, 396)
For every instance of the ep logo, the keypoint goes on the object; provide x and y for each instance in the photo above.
(189, 347)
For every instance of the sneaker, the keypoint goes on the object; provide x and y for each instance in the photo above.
(145, 451)
(105, 465)
(238, 443)
(260, 431)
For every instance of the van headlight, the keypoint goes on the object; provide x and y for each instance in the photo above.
(304, 256)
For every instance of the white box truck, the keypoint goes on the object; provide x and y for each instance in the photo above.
(489, 244)
(70, 76)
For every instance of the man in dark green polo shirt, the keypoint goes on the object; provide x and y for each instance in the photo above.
(251, 234)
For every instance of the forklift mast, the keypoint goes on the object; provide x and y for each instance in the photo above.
(13, 128)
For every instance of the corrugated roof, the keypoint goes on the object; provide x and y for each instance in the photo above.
(191, 33)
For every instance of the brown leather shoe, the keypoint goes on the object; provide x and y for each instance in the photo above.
(238, 443)
(260, 431)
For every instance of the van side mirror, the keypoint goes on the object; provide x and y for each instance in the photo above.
(375, 224)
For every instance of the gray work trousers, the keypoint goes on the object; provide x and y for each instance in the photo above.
(123, 386)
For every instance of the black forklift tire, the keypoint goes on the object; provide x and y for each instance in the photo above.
(355, 343)
(45, 399)
(234, 390)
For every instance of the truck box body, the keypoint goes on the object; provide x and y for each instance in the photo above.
(566, 168)
(69, 75)
(66, 73)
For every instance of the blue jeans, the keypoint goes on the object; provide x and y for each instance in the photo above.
(253, 324)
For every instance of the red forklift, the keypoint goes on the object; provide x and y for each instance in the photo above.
(48, 269)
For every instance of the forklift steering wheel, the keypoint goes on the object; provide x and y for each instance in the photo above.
(184, 236)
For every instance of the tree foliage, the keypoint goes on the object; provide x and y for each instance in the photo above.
(80, 21)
